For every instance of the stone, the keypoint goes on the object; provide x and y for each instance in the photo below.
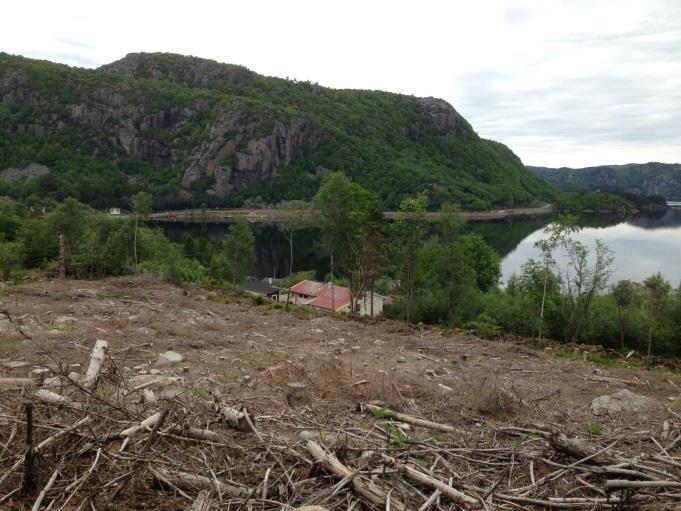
(623, 401)
(170, 358)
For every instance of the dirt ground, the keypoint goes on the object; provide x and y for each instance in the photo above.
(276, 363)
(256, 351)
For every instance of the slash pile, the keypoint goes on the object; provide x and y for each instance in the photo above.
(104, 440)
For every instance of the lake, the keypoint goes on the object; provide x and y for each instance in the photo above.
(642, 245)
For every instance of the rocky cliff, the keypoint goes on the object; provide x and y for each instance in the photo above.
(193, 131)
(645, 178)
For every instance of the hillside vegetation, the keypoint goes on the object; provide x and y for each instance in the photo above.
(192, 131)
(661, 179)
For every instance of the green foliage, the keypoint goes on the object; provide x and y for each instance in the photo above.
(593, 429)
(237, 258)
(382, 141)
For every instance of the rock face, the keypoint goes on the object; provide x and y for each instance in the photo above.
(236, 157)
(29, 171)
(623, 401)
(446, 118)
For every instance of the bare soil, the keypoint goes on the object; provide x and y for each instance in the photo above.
(258, 356)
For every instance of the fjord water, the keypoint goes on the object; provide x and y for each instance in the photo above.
(642, 245)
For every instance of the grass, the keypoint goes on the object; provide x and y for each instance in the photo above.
(593, 429)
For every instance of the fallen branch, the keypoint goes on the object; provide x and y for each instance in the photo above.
(385, 413)
(365, 488)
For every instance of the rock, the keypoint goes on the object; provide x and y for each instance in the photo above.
(170, 358)
(623, 401)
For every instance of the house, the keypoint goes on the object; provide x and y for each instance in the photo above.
(259, 287)
(322, 295)
(114, 211)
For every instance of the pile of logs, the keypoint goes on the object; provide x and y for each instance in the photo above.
(100, 442)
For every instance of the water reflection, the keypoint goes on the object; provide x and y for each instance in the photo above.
(642, 245)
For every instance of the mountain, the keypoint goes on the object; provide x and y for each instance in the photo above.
(642, 178)
(193, 131)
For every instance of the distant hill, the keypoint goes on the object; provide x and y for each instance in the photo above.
(642, 178)
(196, 132)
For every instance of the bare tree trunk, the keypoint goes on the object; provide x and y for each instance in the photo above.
(543, 301)
(372, 297)
(650, 341)
(290, 268)
(134, 244)
(62, 257)
(333, 295)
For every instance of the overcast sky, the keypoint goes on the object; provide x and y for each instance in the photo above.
(562, 82)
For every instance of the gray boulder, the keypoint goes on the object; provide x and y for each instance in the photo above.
(623, 401)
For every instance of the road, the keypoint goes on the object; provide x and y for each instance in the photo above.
(282, 215)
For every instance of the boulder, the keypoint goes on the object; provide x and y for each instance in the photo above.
(623, 401)
(170, 358)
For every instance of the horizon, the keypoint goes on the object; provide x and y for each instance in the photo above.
(563, 83)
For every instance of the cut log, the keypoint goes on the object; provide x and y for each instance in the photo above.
(96, 361)
(385, 413)
(236, 419)
(580, 450)
(54, 398)
(364, 487)
(452, 494)
(202, 502)
(149, 422)
(186, 481)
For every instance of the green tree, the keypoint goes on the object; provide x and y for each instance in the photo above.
(239, 251)
(141, 209)
(582, 280)
(410, 231)
(624, 294)
(347, 215)
(11, 253)
(657, 291)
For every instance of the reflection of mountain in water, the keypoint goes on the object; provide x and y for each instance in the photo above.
(271, 246)
(670, 218)
(505, 235)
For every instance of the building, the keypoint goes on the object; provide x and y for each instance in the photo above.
(114, 211)
(311, 293)
(259, 287)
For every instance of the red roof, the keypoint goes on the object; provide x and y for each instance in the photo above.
(321, 293)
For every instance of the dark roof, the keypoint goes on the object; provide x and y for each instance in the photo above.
(253, 285)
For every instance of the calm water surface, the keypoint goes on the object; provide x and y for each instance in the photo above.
(642, 246)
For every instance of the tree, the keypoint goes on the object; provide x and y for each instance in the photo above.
(657, 291)
(239, 250)
(581, 280)
(297, 218)
(141, 208)
(10, 256)
(624, 294)
(347, 215)
(410, 232)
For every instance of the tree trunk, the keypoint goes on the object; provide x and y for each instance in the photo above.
(372, 297)
(543, 301)
(290, 267)
(62, 257)
(333, 295)
(650, 342)
(134, 244)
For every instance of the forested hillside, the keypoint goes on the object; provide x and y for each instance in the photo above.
(652, 178)
(196, 132)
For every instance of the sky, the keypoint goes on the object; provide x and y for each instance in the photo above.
(561, 82)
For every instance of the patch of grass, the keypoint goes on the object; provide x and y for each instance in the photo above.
(593, 429)
(382, 413)
(396, 437)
